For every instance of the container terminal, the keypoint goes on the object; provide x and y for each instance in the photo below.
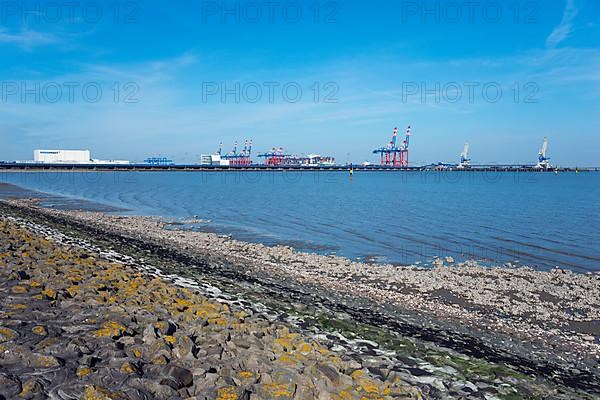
(393, 156)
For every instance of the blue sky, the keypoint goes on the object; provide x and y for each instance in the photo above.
(370, 63)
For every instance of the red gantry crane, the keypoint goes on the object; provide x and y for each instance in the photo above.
(242, 158)
(275, 157)
(393, 155)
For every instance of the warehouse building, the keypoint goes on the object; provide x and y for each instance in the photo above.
(70, 157)
(62, 156)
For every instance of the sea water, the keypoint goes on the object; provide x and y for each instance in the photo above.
(538, 219)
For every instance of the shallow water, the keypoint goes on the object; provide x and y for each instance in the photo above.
(541, 220)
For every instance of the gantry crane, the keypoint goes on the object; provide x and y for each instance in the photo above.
(542, 159)
(242, 158)
(274, 157)
(465, 161)
(392, 154)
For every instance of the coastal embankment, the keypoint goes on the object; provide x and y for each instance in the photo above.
(137, 307)
(76, 325)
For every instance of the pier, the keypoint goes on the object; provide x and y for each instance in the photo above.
(13, 166)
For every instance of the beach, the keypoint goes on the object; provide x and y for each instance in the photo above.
(326, 326)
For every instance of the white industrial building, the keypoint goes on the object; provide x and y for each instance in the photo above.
(213, 159)
(70, 157)
(62, 156)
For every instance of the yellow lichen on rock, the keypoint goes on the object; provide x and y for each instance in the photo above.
(208, 311)
(19, 289)
(43, 361)
(358, 374)
(246, 374)
(97, 393)
(284, 390)
(240, 315)
(162, 326)
(7, 335)
(227, 393)
(370, 387)
(127, 368)
(287, 341)
(40, 330)
(29, 387)
(110, 329)
(288, 359)
(73, 290)
(183, 304)
(218, 321)
(343, 395)
(304, 348)
(50, 293)
(83, 371)
(171, 340)
(160, 360)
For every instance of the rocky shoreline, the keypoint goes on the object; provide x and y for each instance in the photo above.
(75, 325)
(519, 333)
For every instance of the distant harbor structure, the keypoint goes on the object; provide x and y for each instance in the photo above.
(393, 156)
(62, 156)
(465, 161)
(80, 157)
(158, 161)
(310, 160)
(278, 157)
(234, 158)
(275, 157)
(238, 159)
(542, 159)
(213, 160)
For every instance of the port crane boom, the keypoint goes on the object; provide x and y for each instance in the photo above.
(464, 157)
(393, 155)
(241, 158)
(542, 158)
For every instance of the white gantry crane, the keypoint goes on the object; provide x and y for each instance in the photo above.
(465, 161)
(542, 159)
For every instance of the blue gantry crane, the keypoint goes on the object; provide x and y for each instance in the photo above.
(394, 155)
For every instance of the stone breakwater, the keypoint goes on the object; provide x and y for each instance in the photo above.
(76, 326)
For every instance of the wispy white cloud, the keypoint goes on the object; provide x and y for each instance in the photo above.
(564, 29)
(27, 38)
